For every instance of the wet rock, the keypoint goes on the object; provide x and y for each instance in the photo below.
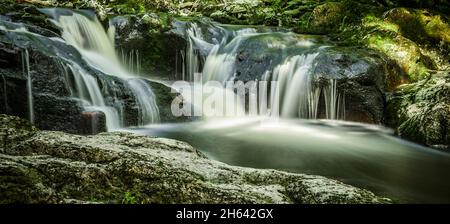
(146, 42)
(53, 106)
(421, 111)
(53, 167)
(57, 113)
(361, 78)
(94, 122)
(164, 98)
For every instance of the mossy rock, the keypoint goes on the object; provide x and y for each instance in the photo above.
(13, 130)
(421, 111)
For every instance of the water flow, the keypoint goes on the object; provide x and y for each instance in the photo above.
(87, 35)
(92, 41)
(26, 72)
(193, 55)
(89, 91)
(362, 155)
(131, 60)
(297, 94)
(148, 111)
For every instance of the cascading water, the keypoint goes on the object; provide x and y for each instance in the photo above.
(334, 101)
(26, 73)
(87, 35)
(296, 95)
(358, 154)
(148, 111)
(132, 60)
(89, 91)
(192, 57)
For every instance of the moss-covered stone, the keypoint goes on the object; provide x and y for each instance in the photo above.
(421, 111)
(148, 36)
(397, 34)
(14, 129)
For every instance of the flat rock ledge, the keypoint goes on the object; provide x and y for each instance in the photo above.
(55, 167)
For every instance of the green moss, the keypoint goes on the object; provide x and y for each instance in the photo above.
(405, 52)
(376, 22)
(421, 111)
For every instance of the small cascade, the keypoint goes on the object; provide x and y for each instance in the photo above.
(297, 95)
(89, 91)
(219, 64)
(193, 59)
(334, 102)
(148, 111)
(83, 31)
(26, 73)
(131, 60)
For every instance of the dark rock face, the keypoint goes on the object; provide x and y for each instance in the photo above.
(360, 76)
(421, 111)
(164, 97)
(53, 167)
(147, 39)
(54, 109)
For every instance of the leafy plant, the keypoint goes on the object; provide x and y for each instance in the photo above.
(129, 198)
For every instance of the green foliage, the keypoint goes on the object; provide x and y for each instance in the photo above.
(129, 198)
(142, 6)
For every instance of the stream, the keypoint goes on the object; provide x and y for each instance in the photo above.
(298, 124)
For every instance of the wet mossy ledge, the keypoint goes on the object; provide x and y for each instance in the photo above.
(55, 167)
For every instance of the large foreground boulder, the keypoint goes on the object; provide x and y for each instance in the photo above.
(54, 167)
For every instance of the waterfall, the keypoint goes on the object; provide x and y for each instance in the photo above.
(220, 61)
(193, 58)
(131, 60)
(297, 93)
(26, 73)
(299, 96)
(148, 111)
(86, 34)
(90, 93)
(334, 101)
